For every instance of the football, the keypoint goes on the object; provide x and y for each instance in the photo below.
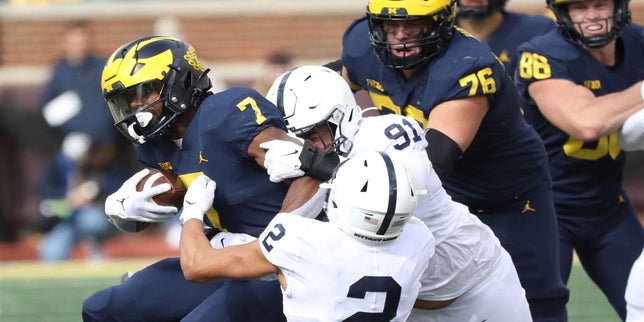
(172, 197)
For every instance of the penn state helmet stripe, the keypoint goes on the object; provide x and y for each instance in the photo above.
(280, 92)
(393, 191)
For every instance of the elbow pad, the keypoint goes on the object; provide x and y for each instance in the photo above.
(443, 152)
(317, 163)
(631, 135)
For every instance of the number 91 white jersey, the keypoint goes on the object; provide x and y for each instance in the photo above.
(467, 251)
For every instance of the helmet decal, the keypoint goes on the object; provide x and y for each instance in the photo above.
(152, 72)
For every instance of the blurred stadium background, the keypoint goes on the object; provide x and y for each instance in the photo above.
(234, 38)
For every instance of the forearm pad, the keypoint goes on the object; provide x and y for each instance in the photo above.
(317, 163)
(443, 152)
(335, 65)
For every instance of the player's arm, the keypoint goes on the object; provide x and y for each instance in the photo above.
(451, 127)
(577, 111)
(199, 261)
(302, 188)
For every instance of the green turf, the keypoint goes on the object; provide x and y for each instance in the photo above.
(59, 300)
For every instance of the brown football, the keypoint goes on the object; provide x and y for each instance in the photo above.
(172, 197)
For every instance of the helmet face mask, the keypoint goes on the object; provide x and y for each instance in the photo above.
(317, 102)
(480, 12)
(437, 17)
(572, 30)
(371, 197)
(149, 82)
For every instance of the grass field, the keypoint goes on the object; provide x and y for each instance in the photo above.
(34, 292)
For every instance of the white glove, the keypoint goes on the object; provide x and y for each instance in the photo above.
(198, 199)
(282, 159)
(129, 204)
(631, 135)
(226, 239)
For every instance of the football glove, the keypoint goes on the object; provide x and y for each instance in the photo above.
(198, 199)
(226, 239)
(129, 204)
(282, 160)
(631, 135)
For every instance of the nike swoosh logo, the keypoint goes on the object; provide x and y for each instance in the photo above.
(222, 242)
(190, 202)
(294, 152)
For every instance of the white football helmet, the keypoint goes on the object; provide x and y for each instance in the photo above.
(309, 96)
(372, 196)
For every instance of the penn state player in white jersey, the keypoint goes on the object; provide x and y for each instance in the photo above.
(363, 265)
(470, 273)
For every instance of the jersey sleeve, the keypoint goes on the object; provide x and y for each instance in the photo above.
(280, 241)
(356, 45)
(242, 114)
(468, 68)
(545, 58)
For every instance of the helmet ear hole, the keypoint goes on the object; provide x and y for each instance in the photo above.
(187, 80)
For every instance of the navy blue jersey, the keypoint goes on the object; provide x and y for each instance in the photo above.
(216, 144)
(506, 157)
(516, 29)
(586, 175)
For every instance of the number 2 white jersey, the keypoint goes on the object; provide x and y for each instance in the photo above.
(333, 276)
(467, 251)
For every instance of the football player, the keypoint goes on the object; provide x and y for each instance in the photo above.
(158, 93)
(413, 61)
(502, 30)
(470, 273)
(579, 85)
(362, 265)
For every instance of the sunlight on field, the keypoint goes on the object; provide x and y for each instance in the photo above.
(70, 269)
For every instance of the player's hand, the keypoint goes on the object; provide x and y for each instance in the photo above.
(129, 204)
(226, 239)
(282, 159)
(198, 198)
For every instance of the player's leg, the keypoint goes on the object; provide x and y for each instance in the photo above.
(252, 300)
(500, 298)
(528, 230)
(608, 257)
(566, 248)
(635, 292)
(159, 292)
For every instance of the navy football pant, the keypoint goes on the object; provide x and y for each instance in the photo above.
(527, 229)
(607, 243)
(160, 292)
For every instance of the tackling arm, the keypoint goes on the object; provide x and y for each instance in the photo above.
(303, 188)
(199, 261)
